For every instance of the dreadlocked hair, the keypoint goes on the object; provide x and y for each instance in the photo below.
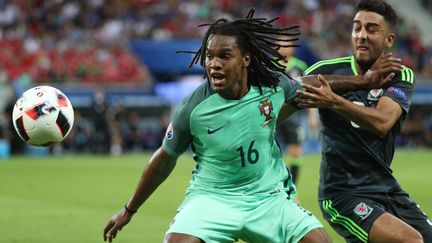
(258, 37)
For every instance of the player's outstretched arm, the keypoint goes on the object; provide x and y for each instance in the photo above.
(378, 120)
(157, 170)
(378, 75)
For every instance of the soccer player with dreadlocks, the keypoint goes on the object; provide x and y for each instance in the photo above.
(237, 187)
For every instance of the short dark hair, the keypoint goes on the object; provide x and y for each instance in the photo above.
(258, 37)
(380, 7)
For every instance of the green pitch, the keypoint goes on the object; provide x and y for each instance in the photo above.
(69, 199)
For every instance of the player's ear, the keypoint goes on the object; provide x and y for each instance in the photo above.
(390, 40)
(246, 60)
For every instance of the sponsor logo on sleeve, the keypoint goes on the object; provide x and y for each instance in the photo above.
(398, 92)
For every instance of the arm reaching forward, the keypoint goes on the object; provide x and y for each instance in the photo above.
(377, 119)
(157, 170)
(378, 75)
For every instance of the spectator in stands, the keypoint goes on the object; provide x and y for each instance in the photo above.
(61, 24)
(413, 131)
(80, 138)
(100, 141)
(17, 146)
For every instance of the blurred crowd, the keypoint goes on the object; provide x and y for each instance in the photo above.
(417, 129)
(114, 129)
(325, 24)
(427, 4)
(86, 41)
(101, 128)
(66, 41)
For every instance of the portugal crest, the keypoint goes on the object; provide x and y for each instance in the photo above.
(266, 109)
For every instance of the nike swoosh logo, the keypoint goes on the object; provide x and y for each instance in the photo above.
(429, 222)
(211, 131)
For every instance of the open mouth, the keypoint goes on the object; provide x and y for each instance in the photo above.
(217, 78)
(362, 48)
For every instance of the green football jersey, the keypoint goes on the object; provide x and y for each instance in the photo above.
(233, 141)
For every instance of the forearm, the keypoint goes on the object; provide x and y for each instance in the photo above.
(157, 170)
(338, 83)
(375, 120)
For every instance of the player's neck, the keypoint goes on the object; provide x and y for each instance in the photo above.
(362, 67)
(237, 92)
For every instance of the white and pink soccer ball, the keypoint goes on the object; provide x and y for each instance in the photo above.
(43, 116)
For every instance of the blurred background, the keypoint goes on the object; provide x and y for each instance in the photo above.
(116, 61)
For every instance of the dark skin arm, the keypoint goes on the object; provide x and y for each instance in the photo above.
(379, 119)
(381, 72)
(157, 170)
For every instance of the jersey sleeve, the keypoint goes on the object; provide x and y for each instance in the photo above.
(289, 87)
(318, 68)
(401, 88)
(178, 136)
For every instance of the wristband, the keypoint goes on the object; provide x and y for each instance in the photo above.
(368, 74)
(128, 210)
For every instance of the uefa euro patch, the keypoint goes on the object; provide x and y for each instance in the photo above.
(363, 210)
(398, 92)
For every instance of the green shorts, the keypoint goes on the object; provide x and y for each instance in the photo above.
(216, 218)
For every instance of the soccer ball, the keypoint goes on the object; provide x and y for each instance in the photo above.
(43, 116)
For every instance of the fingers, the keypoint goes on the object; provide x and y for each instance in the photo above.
(309, 87)
(112, 233)
(322, 80)
(396, 62)
(387, 60)
(307, 103)
(307, 94)
(391, 66)
(387, 79)
(304, 103)
(386, 56)
(107, 229)
(314, 89)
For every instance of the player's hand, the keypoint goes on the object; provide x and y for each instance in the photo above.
(383, 70)
(316, 97)
(115, 224)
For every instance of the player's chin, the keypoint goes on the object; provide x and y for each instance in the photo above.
(217, 85)
(218, 89)
(362, 58)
